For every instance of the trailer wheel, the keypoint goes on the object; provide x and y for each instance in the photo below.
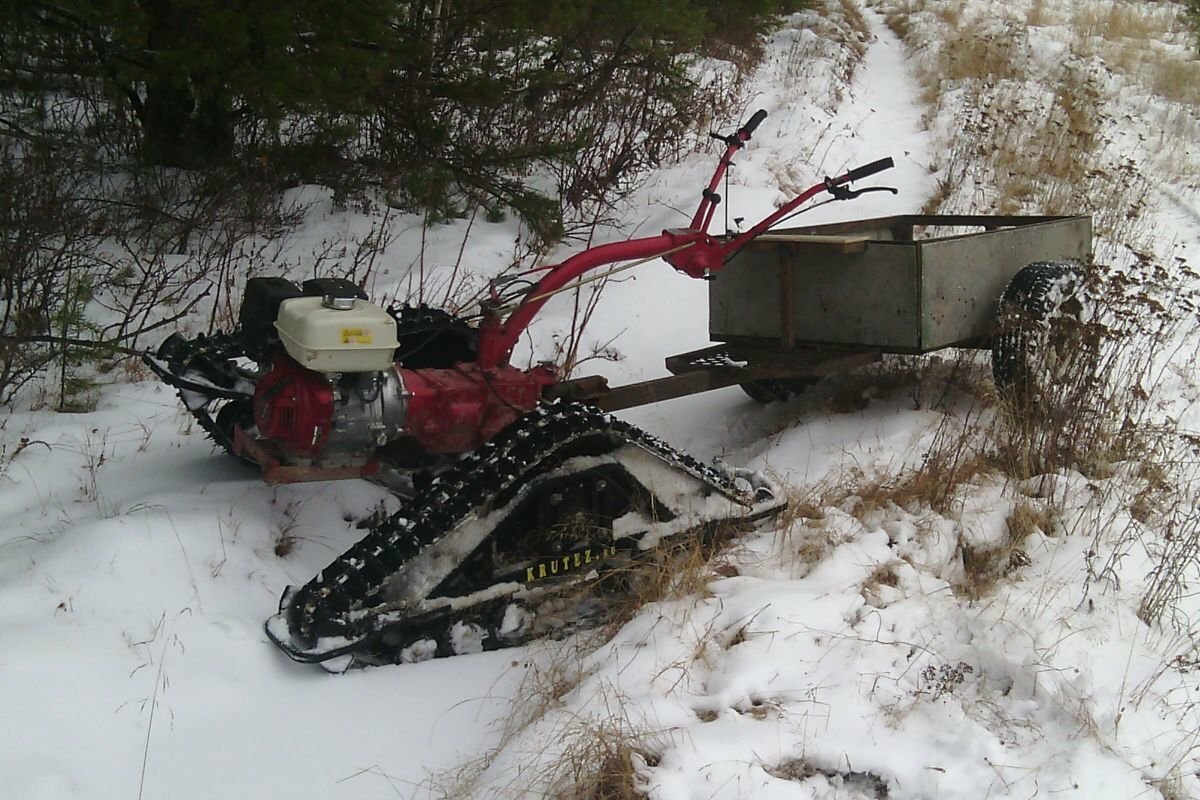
(1040, 330)
(776, 389)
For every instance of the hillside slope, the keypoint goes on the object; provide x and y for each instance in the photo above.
(912, 628)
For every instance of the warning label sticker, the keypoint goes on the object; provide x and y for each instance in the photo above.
(356, 336)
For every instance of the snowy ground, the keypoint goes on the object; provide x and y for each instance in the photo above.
(837, 657)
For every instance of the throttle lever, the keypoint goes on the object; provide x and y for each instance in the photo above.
(846, 193)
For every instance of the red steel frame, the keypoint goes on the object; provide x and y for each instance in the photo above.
(690, 250)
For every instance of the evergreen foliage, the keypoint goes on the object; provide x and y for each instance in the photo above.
(1192, 12)
(435, 105)
(444, 102)
(189, 72)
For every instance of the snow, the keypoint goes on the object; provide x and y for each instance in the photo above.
(829, 657)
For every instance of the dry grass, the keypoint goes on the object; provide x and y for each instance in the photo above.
(852, 16)
(1149, 503)
(881, 586)
(681, 568)
(1061, 417)
(978, 49)
(1126, 19)
(983, 568)
(598, 758)
(802, 535)
(1033, 150)
(819, 68)
(934, 485)
(884, 575)
(957, 453)
(1177, 80)
(927, 382)
(1051, 152)
(1038, 15)
(809, 544)
(1094, 400)
(1088, 413)
(285, 537)
(840, 783)
(583, 759)
(601, 762)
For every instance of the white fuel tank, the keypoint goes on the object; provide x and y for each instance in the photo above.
(356, 337)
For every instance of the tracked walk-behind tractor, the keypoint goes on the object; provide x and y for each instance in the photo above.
(522, 493)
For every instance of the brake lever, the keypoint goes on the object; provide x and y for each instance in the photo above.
(846, 193)
(730, 139)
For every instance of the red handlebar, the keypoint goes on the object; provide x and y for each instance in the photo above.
(690, 250)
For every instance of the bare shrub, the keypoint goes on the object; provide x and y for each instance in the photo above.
(44, 243)
(94, 264)
(1091, 403)
(1179, 561)
(592, 114)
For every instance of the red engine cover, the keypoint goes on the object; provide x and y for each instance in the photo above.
(293, 407)
(457, 410)
(448, 410)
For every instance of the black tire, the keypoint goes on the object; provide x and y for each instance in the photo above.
(1039, 323)
(776, 389)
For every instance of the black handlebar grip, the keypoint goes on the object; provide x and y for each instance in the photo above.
(870, 169)
(754, 122)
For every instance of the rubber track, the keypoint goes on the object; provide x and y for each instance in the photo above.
(218, 348)
(330, 603)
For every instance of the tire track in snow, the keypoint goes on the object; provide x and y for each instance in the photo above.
(880, 115)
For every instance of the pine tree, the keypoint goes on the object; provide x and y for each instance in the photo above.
(446, 103)
(188, 71)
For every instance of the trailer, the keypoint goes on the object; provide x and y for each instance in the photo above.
(797, 304)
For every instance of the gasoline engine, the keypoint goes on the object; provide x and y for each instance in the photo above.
(332, 390)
